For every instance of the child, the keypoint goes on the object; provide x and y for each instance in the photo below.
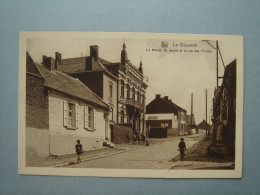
(78, 150)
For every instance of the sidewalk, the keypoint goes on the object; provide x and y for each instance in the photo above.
(58, 161)
(200, 158)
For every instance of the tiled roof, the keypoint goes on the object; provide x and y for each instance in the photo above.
(57, 80)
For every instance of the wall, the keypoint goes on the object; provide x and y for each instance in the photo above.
(120, 132)
(36, 102)
(62, 139)
(93, 80)
(37, 143)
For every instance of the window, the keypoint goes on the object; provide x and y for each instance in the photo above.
(110, 90)
(143, 98)
(133, 95)
(128, 92)
(70, 115)
(164, 124)
(90, 118)
(112, 113)
(122, 88)
(122, 116)
(138, 97)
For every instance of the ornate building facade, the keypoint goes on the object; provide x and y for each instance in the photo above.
(121, 85)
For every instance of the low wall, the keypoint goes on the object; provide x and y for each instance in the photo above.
(120, 132)
(37, 143)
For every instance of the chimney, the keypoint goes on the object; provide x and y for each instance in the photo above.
(48, 62)
(157, 96)
(94, 51)
(166, 97)
(57, 60)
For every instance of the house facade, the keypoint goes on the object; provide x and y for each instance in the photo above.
(162, 112)
(60, 110)
(121, 85)
(224, 110)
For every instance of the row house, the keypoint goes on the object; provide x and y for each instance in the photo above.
(224, 110)
(121, 85)
(162, 112)
(59, 110)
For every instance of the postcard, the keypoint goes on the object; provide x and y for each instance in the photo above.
(115, 104)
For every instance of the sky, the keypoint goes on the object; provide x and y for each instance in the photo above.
(170, 73)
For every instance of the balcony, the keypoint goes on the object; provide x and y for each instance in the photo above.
(134, 103)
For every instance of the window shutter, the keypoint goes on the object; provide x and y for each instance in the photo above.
(86, 117)
(65, 113)
(77, 115)
(95, 121)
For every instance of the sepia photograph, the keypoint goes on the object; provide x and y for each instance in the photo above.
(149, 105)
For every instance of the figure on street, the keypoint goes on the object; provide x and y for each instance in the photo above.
(182, 148)
(78, 150)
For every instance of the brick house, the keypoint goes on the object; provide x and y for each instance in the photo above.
(162, 112)
(121, 85)
(60, 110)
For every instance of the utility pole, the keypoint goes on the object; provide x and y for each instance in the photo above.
(206, 113)
(191, 110)
(217, 60)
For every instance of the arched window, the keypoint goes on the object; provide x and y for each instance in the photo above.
(128, 91)
(138, 96)
(133, 95)
(122, 116)
(122, 88)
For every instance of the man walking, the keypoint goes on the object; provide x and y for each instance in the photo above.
(182, 148)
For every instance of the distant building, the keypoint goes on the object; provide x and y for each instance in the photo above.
(224, 110)
(60, 110)
(162, 112)
(203, 126)
(121, 85)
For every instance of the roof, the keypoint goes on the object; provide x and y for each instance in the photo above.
(202, 125)
(193, 120)
(82, 64)
(59, 81)
(162, 105)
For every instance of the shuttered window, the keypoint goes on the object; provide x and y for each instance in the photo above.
(70, 115)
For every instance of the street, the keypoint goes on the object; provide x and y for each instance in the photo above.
(157, 156)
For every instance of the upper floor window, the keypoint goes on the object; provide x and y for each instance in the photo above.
(110, 90)
(133, 95)
(128, 91)
(122, 116)
(122, 88)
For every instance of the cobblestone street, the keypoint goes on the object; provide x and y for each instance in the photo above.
(157, 156)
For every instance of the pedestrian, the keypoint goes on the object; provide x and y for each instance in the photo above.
(182, 148)
(78, 150)
(147, 143)
(143, 138)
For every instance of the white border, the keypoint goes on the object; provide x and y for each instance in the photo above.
(144, 173)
